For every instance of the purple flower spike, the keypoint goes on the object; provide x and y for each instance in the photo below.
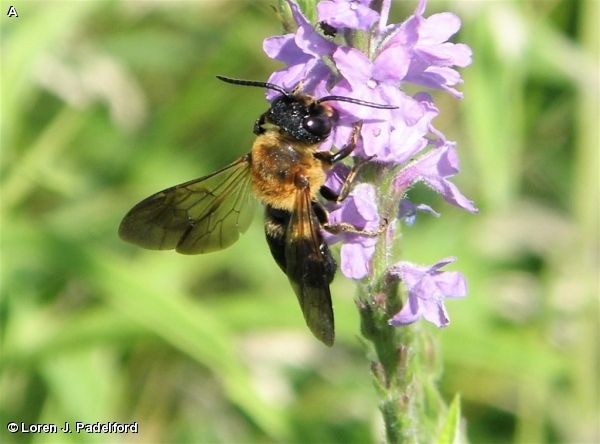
(427, 288)
(353, 14)
(416, 51)
(434, 168)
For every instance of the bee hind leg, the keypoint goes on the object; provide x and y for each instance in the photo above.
(351, 229)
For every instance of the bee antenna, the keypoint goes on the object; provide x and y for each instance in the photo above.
(253, 83)
(356, 102)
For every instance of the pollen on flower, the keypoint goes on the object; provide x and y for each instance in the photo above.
(353, 6)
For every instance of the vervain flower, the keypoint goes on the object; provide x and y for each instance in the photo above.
(431, 54)
(404, 139)
(427, 288)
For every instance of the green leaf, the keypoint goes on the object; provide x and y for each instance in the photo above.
(451, 431)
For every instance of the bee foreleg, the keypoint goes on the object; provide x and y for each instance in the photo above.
(331, 158)
(350, 146)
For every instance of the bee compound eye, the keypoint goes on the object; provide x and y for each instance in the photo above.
(317, 125)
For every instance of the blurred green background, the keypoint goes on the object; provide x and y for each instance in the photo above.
(106, 102)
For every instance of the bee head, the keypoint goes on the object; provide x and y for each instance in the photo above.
(300, 116)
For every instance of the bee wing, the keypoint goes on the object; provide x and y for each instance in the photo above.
(306, 271)
(199, 216)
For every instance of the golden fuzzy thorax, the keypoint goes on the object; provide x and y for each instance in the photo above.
(280, 168)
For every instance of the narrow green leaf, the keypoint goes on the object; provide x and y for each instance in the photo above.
(451, 431)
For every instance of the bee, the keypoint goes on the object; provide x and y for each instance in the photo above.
(286, 172)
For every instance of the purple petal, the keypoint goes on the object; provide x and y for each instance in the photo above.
(411, 312)
(353, 65)
(435, 312)
(385, 12)
(421, 7)
(310, 74)
(307, 38)
(433, 169)
(427, 209)
(408, 211)
(438, 28)
(359, 210)
(355, 260)
(446, 54)
(392, 64)
(284, 49)
(436, 77)
(443, 263)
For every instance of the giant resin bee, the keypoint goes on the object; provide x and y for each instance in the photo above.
(286, 172)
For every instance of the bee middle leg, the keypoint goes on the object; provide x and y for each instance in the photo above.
(331, 158)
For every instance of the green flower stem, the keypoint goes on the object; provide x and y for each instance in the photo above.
(404, 361)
